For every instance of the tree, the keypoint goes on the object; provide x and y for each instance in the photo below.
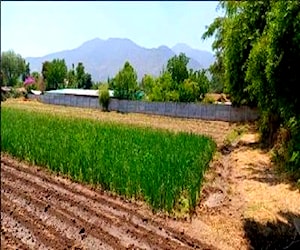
(39, 80)
(177, 67)
(71, 78)
(147, 84)
(200, 78)
(80, 73)
(26, 72)
(12, 67)
(125, 82)
(87, 81)
(189, 91)
(260, 49)
(55, 73)
(45, 68)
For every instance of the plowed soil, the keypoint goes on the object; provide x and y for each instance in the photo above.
(44, 211)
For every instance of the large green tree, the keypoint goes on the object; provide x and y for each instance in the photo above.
(55, 73)
(177, 67)
(176, 83)
(13, 66)
(125, 83)
(260, 49)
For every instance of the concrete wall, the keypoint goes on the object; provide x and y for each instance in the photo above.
(189, 110)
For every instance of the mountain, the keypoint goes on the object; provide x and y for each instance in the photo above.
(104, 58)
(203, 57)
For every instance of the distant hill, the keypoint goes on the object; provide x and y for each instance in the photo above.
(104, 58)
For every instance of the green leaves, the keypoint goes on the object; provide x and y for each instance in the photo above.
(125, 83)
(54, 73)
(258, 45)
(104, 96)
(177, 67)
(177, 84)
(12, 67)
(157, 166)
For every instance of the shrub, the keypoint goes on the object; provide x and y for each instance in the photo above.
(104, 96)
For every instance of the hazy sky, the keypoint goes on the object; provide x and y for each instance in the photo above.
(39, 28)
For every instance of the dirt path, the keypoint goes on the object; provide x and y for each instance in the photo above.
(246, 203)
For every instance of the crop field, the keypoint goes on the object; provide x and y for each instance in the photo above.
(40, 210)
(242, 194)
(163, 168)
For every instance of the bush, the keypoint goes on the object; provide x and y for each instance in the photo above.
(287, 147)
(208, 99)
(104, 96)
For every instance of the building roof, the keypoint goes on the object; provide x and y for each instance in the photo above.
(82, 92)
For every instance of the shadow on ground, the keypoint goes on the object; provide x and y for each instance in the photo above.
(273, 235)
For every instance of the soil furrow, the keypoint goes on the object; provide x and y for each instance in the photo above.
(83, 228)
(9, 240)
(43, 233)
(98, 197)
(127, 226)
(73, 215)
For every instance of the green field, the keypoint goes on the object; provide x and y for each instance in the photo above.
(157, 166)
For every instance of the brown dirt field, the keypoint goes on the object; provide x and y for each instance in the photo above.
(245, 204)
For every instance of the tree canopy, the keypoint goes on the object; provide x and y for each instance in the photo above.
(55, 73)
(13, 66)
(125, 82)
(176, 83)
(257, 46)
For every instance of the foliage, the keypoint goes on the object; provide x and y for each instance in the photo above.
(96, 85)
(147, 84)
(177, 67)
(104, 96)
(200, 78)
(155, 165)
(125, 83)
(55, 73)
(208, 99)
(259, 48)
(80, 75)
(71, 81)
(176, 84)
(30, 84)
(162, 89)
(217, 68)
(26, 73)
(78, 78)
(40, 83)
(87, 81)
(189, 91)
(12, 67)
(217, 80)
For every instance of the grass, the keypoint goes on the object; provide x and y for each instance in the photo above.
(217, 130)
(154, 165)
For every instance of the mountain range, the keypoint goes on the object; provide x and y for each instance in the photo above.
(104, 58)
